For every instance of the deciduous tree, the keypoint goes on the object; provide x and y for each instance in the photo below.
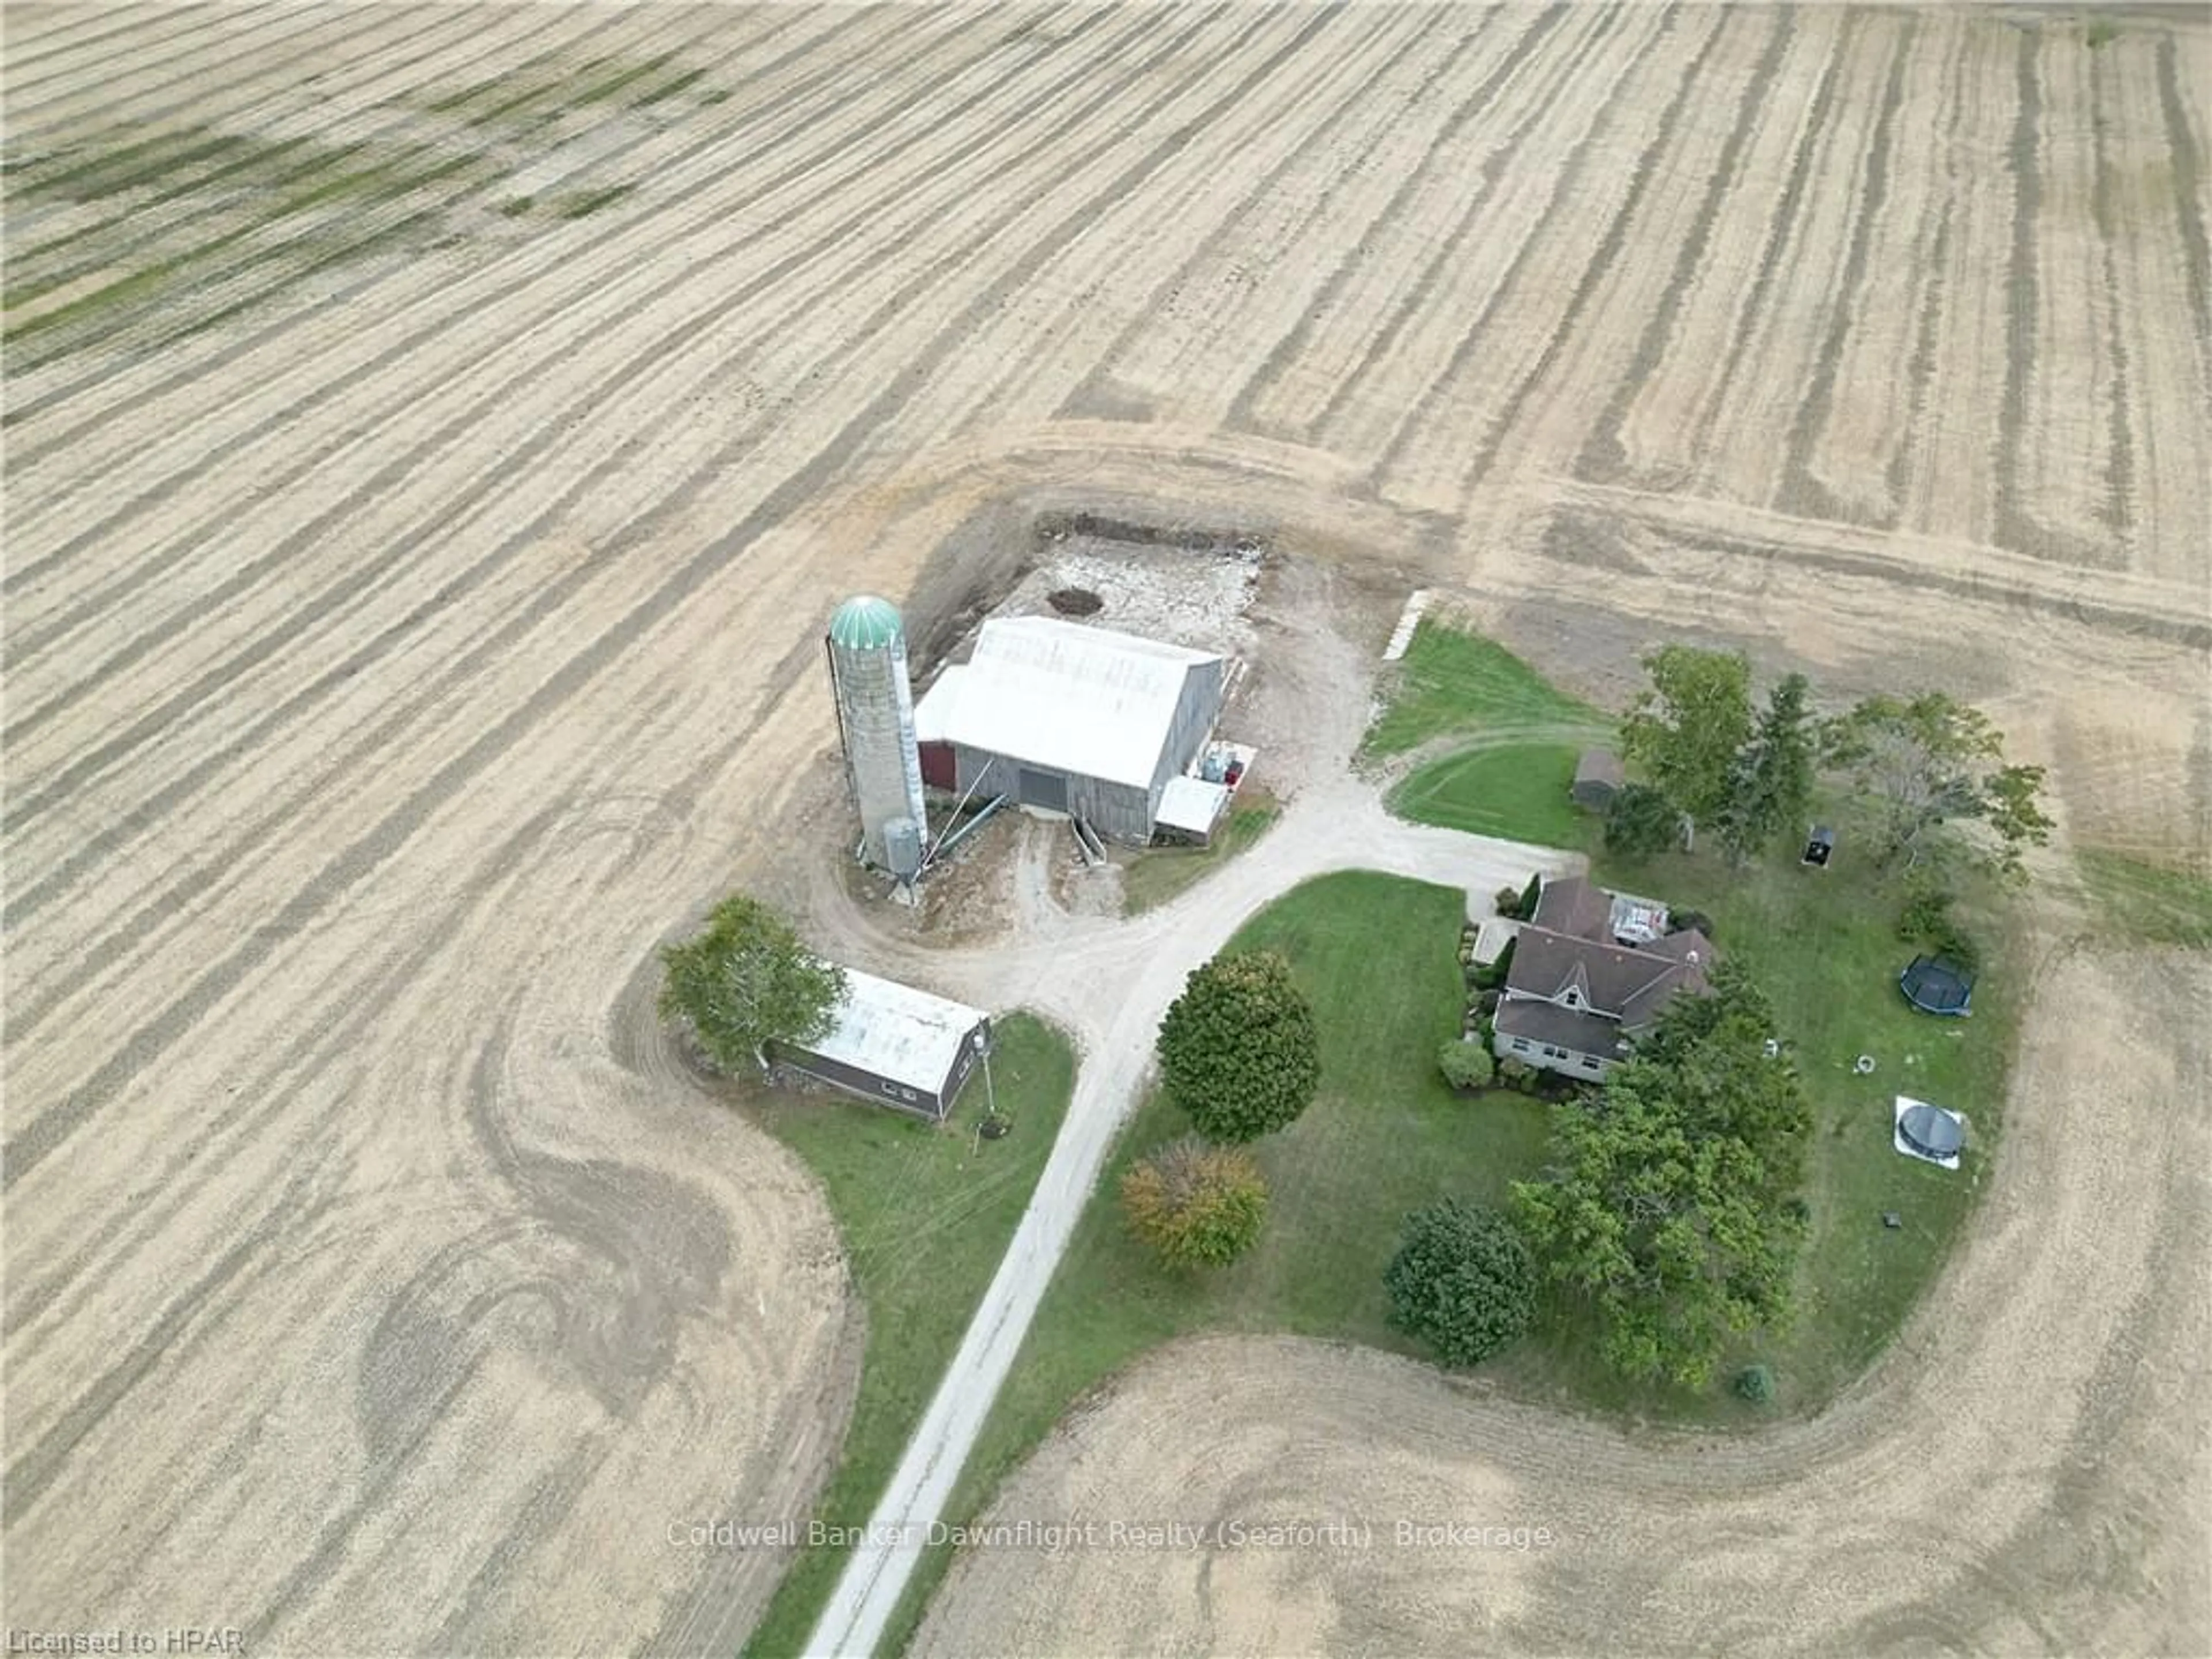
(746, 981)
(1197, 1206)
(1461, 1281)
(1237, 1048)
(1686, 730)
(1672, 1206)
(1929, 761)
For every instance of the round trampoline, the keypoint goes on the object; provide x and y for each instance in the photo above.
(1931, 1132)
(1936, 985)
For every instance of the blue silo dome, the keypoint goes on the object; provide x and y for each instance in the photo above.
(865, 623)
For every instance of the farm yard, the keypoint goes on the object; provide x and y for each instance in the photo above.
(435, 437)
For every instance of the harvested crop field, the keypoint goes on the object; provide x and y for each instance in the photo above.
(433, 435)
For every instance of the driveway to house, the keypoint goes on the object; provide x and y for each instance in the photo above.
(1107, 981)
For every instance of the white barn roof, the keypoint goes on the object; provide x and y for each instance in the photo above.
(929, 714)
(895, 1031)
(1080, 700)
(1193, 805)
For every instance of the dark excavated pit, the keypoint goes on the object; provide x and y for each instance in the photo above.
(1075, 601)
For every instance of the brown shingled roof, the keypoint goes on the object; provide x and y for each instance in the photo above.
(1629, 983)
(1574, 906)
(1547, 1022)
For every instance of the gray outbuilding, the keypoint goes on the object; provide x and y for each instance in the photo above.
(1598, 778)
(1065, 718)
(890, 1043)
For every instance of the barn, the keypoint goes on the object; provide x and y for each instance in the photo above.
(1071, 718)
(893, 1044)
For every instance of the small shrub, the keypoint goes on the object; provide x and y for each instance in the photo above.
(1515, 1073)
(2100, 32)
(1197, 1206)
(1681, 921)
(1755, 1383)
(1927, 907)
(1508, 901)
(1954, 941)
(1462, 1281)
(1487, 1003)
(1466, 1064)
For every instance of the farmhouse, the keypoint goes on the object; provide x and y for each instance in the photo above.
(1065, 718)
(1590, 969)
(893, 1044)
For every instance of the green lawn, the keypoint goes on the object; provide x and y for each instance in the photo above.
(1375, 954)
(1450, 681)
(2148, 902)
(926, 1214)
(1822, 946)
(1160, 873)
(1518, 791)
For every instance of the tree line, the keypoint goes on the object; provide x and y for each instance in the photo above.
(1930, 769)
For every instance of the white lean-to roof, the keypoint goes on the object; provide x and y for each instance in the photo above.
(1192, 804)
(895, 1031)
(1080, 700)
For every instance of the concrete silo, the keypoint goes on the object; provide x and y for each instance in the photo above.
(875, 717)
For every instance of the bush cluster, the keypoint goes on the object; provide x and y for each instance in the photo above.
(1491, 975)
(1926, 918)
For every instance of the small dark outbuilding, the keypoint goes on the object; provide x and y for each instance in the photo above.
(1819, 846)
(1937, 985)
(1598, 778)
